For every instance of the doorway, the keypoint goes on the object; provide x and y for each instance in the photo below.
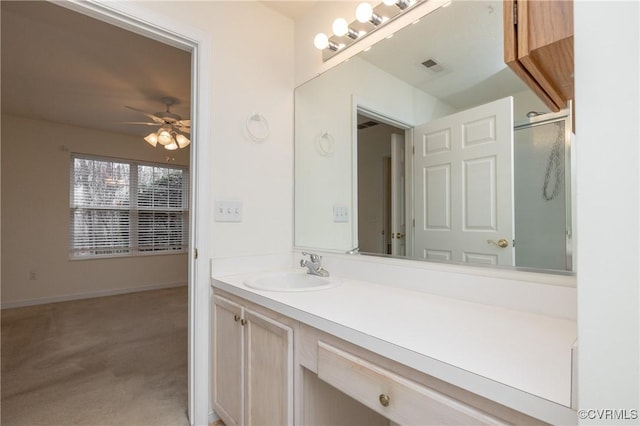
(143, 22)
(381, 187)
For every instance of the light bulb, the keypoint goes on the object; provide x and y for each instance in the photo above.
(182, 141)
(152, 139)
(364, 12)
(340, 27)
(172, 146)
(164, 137)
(321, 41)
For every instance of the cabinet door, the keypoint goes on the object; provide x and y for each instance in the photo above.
(227, 361)
(538, 47)
(268, 371)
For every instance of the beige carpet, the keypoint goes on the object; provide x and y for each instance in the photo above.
(119, 360)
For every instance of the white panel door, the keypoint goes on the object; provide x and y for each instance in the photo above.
(463, 172)
(398, 222)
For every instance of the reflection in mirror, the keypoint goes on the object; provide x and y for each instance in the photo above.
(487, 183)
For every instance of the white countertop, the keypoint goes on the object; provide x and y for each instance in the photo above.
(521, 360)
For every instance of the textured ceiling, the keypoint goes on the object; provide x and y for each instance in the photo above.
(292, 9)
(465, 39)
(62, 66)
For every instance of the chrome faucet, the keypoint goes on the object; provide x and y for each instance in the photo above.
(314, 265)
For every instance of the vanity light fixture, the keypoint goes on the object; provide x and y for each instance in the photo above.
(402, 4)
(368, 19)
(321, 41)
(341, 28)
(365, 13)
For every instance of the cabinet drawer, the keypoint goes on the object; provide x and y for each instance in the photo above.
(395, 397)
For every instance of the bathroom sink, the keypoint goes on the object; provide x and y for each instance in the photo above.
(290, 281)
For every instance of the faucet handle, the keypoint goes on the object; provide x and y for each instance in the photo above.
(314, 257)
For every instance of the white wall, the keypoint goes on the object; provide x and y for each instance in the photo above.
(608, 182)
(35, 216)
(252, 61)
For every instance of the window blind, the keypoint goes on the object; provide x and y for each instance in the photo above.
(122, 207)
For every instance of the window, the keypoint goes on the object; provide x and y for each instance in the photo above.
(127, 208)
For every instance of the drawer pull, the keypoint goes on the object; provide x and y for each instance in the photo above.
(384, 400)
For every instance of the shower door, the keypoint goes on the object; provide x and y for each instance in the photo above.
(542, 183)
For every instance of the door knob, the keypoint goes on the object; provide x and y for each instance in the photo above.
(502, 242)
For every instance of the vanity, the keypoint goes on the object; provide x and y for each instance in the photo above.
(462, 311)
(359, 352)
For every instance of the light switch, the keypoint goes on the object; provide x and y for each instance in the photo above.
(340, 213)
(228, 211)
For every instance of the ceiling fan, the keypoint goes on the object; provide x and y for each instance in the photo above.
(172, 128)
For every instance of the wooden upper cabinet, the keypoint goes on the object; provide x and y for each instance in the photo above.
(538, 47)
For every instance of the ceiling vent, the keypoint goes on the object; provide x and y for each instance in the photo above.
(432, 65)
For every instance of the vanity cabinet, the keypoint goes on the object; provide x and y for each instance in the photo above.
(538, 47)
(398, 393)
(398, 398)
(275, 363)
(252, 366)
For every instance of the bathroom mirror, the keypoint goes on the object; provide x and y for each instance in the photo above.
(377, 164)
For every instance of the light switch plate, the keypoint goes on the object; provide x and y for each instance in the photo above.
(228, 211)
(340, 213)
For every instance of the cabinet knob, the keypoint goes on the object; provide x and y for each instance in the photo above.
(243, 321)
(384, 400)
(236, 318)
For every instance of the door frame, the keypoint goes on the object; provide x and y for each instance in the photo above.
(362, 107)
(395, 246)
(142, 20)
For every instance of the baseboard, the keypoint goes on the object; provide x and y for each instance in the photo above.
(78, 296)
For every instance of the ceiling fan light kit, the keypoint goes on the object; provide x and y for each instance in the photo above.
(170, 134)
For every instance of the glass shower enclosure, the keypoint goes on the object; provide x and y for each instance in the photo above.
(542, 189)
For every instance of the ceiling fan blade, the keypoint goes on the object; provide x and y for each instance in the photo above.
(148, 114)
(184, 129)
(145, 123)
(186, 123)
